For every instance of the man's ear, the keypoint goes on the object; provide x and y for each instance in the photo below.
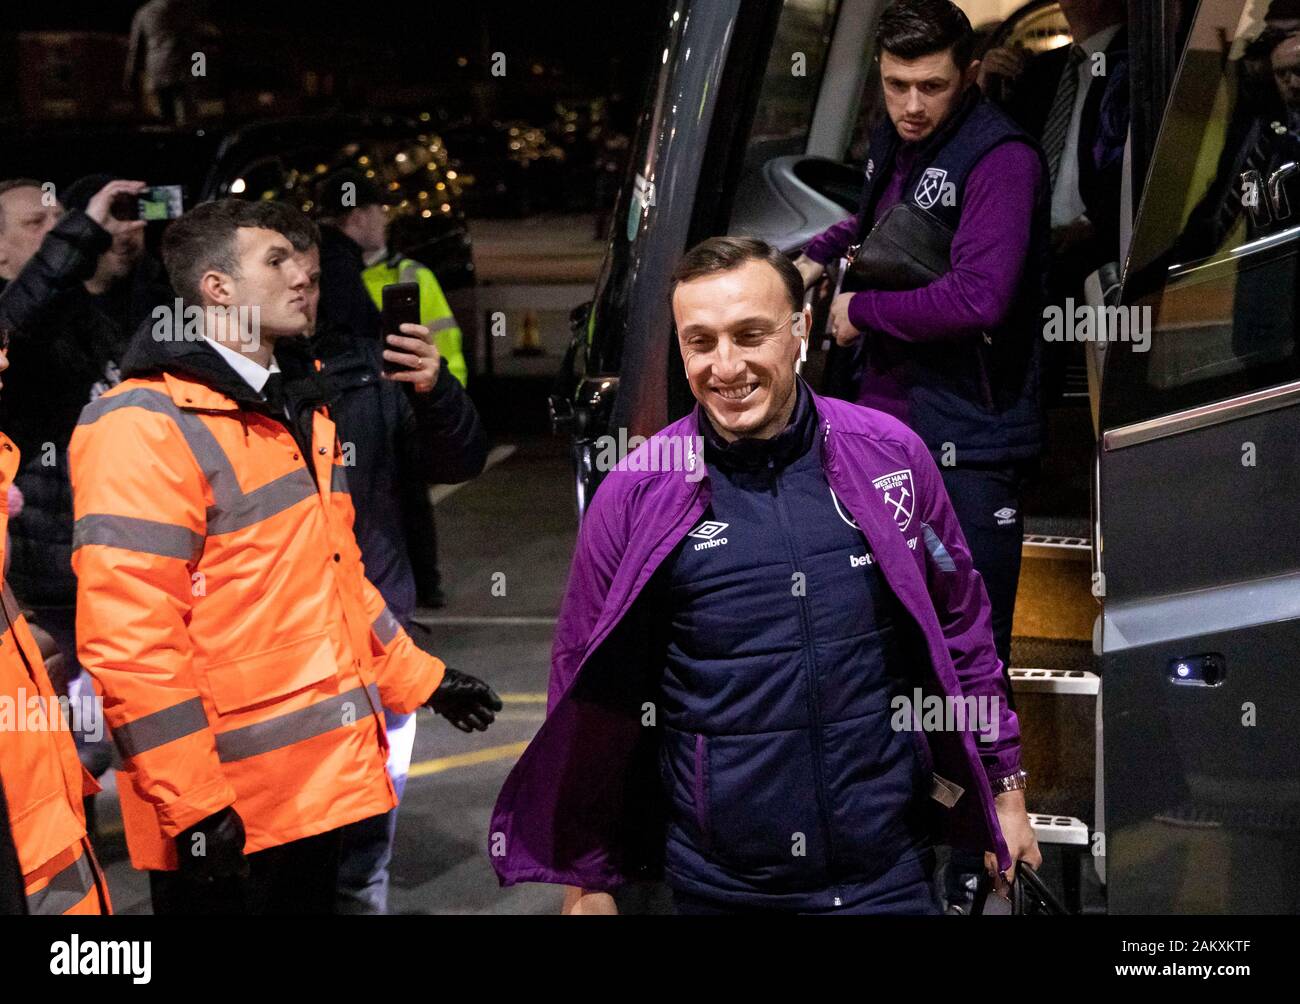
(215, 287)
(971, 75)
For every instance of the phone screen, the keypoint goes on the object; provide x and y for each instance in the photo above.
(161, 202)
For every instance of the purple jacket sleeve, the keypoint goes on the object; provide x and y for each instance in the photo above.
(595, 562)
(988, 256)
(962, 606)
(832, 242)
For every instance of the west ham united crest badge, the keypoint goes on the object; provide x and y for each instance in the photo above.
(897, 493)
(930, 187)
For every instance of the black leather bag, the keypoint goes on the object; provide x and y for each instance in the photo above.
(906, 249)
(1030, 896)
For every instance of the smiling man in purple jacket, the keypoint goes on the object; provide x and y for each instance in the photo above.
(956, 359)
(773, 678)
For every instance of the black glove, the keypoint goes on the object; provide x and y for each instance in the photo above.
(220, 852)
(465, 701)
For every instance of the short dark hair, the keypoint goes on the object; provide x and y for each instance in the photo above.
(910, 29)
(205, 238)
(8, 185)
(722, 254)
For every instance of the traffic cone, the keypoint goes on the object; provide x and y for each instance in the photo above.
(530, 338)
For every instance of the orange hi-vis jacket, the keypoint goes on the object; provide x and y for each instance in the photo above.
(44, 782)
(223, 608)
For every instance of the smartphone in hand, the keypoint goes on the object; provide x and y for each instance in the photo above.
(158, 202)
(400, 304)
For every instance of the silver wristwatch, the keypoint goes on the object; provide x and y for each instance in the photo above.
(1012, 782)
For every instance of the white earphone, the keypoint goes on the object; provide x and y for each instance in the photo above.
(799, 330)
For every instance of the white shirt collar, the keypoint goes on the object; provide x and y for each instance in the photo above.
(1098, 42)
(250, 371)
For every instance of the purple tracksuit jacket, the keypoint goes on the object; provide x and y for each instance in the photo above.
(570, 807)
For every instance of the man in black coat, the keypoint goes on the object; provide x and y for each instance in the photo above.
(71, 308)
(405, 432)
(1081, 119)
(344, 302)
(1075, 100)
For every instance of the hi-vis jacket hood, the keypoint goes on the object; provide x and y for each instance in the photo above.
(223, 607)
(44, 782)
(573, 809)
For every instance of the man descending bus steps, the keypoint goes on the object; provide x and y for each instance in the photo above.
(725, 661)
(957, 357)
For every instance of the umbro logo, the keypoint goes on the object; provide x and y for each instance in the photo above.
(1005, 516)
(709, 531)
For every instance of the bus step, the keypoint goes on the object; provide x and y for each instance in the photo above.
(1058, 546)
(1066, 830)
(1055, 681)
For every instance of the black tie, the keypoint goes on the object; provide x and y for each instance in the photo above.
(273, 394)
(1058, 119)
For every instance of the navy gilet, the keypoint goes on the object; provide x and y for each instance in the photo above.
(981, 394)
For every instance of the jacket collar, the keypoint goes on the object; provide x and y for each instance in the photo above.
(197, 378)
(784, 448)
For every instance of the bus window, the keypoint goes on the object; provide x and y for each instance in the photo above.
(791, 81)
(1212, 271)
(1038, 29)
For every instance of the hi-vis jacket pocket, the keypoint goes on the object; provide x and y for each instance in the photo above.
(271, 674)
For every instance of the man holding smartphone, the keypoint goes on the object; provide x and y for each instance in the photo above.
(77, 294)
(413, 428)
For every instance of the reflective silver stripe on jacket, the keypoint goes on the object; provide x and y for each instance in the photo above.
(262, 503)
(211, 458)
(410, 272)
(385, 627)
(160, 727)
(937, 551)
(133, 534)
(232, 509)
(342, 711)
(66, 889)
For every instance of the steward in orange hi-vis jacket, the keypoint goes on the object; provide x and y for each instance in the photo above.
(222, 602)
(44, 782)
